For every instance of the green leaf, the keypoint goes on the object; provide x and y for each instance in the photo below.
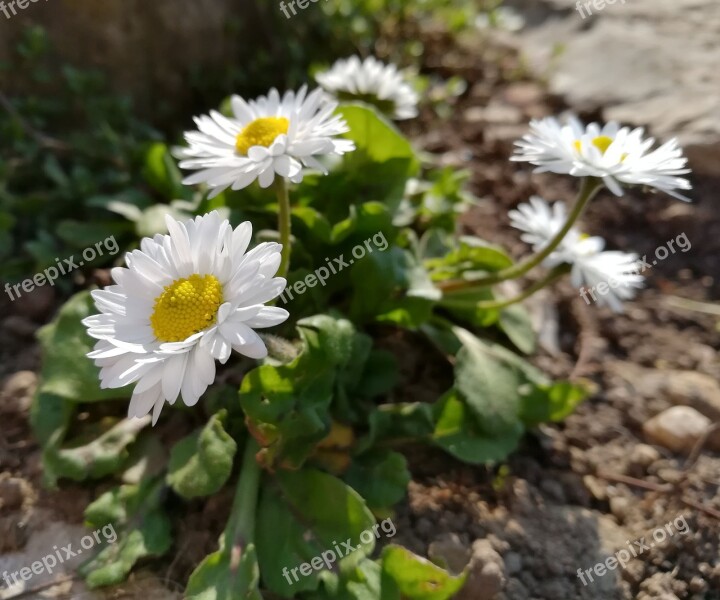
(416, 577)
(553, 402)
(472, 258)
(515, 322)
(360, 583)
(383, 160)
(463, 304)
(50, 417)
(66, 370)
(162, 173)
(133, 512)
(395, 289)
(80, 235)
(380, 477)
(297, 524)
(219, 577)
(375, 137)
(400, 421)
(314, 221)
(530, 373)
(489, 385)
(102, 456)
(201, 463)
(460, 433)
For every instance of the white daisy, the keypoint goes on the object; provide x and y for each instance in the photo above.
(373, 82)
(591, 264)
(616, 154)
(185, 300)
(265, 137)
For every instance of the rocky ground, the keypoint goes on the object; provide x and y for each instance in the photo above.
(634, 461)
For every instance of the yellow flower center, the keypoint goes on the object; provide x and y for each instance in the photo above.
(185, 307)
(601, 142)
(261, 132)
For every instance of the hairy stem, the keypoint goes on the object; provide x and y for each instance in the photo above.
(242, 519)
(552, 276)
(284, 225)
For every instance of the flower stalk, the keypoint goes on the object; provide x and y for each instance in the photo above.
(241, 529)
(284, 224)
(550, 278)
(589, 188)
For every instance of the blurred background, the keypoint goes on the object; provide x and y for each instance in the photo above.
(93, 95)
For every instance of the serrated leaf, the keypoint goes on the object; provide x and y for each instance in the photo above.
(201, 463)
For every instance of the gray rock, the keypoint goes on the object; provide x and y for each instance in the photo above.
(677, 428)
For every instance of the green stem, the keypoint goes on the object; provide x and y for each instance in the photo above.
(590, 187)
(555, 274)
(241, 529)
(284, 225)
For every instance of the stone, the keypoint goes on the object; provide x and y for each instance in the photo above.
(513, 563)
(16, 392)
(643, 456)
(12, 494)
(677, 428)
(619, 507)
(487, 573)
(449, 550)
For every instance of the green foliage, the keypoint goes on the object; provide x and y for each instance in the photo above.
(296, 523)
(200, 464)
(92, 457)
(381, 477)
(323, 427)
(66, 371)
(66, 147)
(398, 574)
(133, 512)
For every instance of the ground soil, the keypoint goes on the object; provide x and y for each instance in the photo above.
(574, 493)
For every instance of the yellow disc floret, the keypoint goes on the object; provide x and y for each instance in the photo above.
(261, 132)
(185, 307)
(601, 142)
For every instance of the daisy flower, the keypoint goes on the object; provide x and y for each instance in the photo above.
(185, 300)
(269, 136)
(591, 263)
(617, 155)
(373, 82)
